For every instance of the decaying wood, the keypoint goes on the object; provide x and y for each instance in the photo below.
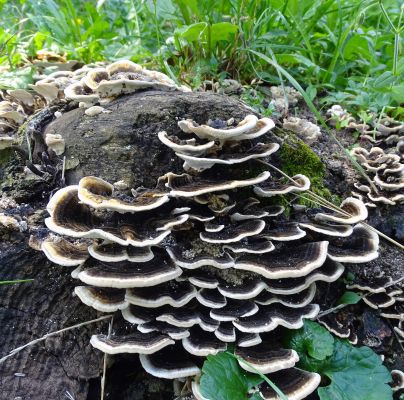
(117, 145)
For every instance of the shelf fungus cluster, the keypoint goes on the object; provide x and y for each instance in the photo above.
(202, 260)
(89, 85)
(387, 174)
(382, 131)
(305, 129)
(121, 77)
(12, 115)
(386, 296)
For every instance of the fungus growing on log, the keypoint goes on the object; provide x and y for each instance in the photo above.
(12, 115)
(398, 380)
(387, 297)
(305, 129)
(387, 173)
(102, 84)
(197, 262)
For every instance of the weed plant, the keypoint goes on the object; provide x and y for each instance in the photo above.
(348, 51)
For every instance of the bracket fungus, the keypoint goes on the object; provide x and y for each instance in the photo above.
(12, 115)
(387, 297)
(305, 129)
(101, 84)
(197, 262)
(387, 173)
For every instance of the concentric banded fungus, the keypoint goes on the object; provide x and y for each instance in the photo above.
(64, 253)
(266, 360)
(201, 343)
(332, 324)
(135, 343)
(163, 365)
(174, 332)
(201, 163)
(126, 275)
(120, 77)
(354, 212)
(12, 115)
(361, 247)
(300, 184)
(296, 384)
(208, 132)
(111, 252)
(102, 299)
(234, 233)
(72, 218)
(308, 131)
(297, 262)
(175, 294)
(185, 186)
(398, 380)
(387, 173)
(270, 317)
(197, 263)
(386, 296)
(96, 193)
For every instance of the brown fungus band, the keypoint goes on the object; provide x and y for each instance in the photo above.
(198, 262)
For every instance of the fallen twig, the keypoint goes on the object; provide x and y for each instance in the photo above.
(41, 339)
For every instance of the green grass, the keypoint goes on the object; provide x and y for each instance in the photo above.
(15, 281)
(347, 51)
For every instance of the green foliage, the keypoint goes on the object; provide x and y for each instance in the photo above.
(223, 379)
(312, 341)
(349, 298)
(20, 78)
(258, 101)
(349, 49)
(356, 373)
(15, 281)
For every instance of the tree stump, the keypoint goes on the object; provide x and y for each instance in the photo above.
(120, 144)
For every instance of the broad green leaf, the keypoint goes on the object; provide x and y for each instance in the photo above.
(356, 46)
(294, 59)
(223, 379)
(16, 79)
(311, 92)
(312, 340)
(356, 374)
(191, 33)
(397, 92)
(400, 66)
(383, 80)
(383, 99)
(222, 31)
(349, 298)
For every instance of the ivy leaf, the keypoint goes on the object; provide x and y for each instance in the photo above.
(356, 373)
(313, 340)
(349, 298)
(223, 379)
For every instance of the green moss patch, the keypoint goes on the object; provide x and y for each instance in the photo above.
(298, 158)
